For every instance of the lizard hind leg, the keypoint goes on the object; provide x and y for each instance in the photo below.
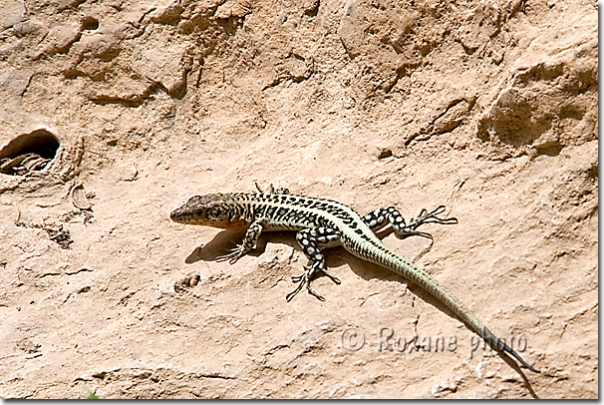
(379, 218)
(309, 240)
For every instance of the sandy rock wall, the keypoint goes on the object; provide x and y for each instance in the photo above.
(113, 113)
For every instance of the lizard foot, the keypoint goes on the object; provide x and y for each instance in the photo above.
(426, 217)
(235, 254)
(304, 280)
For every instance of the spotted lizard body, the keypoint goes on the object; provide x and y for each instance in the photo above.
(323, 223)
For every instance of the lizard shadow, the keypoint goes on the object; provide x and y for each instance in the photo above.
(226, 240)
(368, 270)
(336, 257)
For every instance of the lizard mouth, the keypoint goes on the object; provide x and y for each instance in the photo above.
(178, 216)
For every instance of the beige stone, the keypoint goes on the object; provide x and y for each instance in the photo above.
(487, 107)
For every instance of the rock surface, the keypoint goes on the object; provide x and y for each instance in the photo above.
(488, 107)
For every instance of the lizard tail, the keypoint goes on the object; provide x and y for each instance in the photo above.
(498, 345)
(418, 276)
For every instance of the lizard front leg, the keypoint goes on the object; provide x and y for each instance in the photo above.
(309, 240)
(377, 219)
(249, 241)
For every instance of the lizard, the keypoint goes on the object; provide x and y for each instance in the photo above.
(323, 223)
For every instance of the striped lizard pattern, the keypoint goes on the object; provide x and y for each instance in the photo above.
(323, 223)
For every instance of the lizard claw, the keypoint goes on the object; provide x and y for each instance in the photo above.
(431, 217)
(305, 278)
(331, 276)
(313, 292)
(235, 254)
(295, 292)
(426, 217)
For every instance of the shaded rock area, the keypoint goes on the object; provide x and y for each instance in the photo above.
(113, 113)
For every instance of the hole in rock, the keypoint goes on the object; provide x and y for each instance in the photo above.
(28, 152)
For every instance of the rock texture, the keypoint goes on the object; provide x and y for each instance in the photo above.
(488, 107)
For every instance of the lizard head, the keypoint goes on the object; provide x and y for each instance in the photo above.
(208, 210)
